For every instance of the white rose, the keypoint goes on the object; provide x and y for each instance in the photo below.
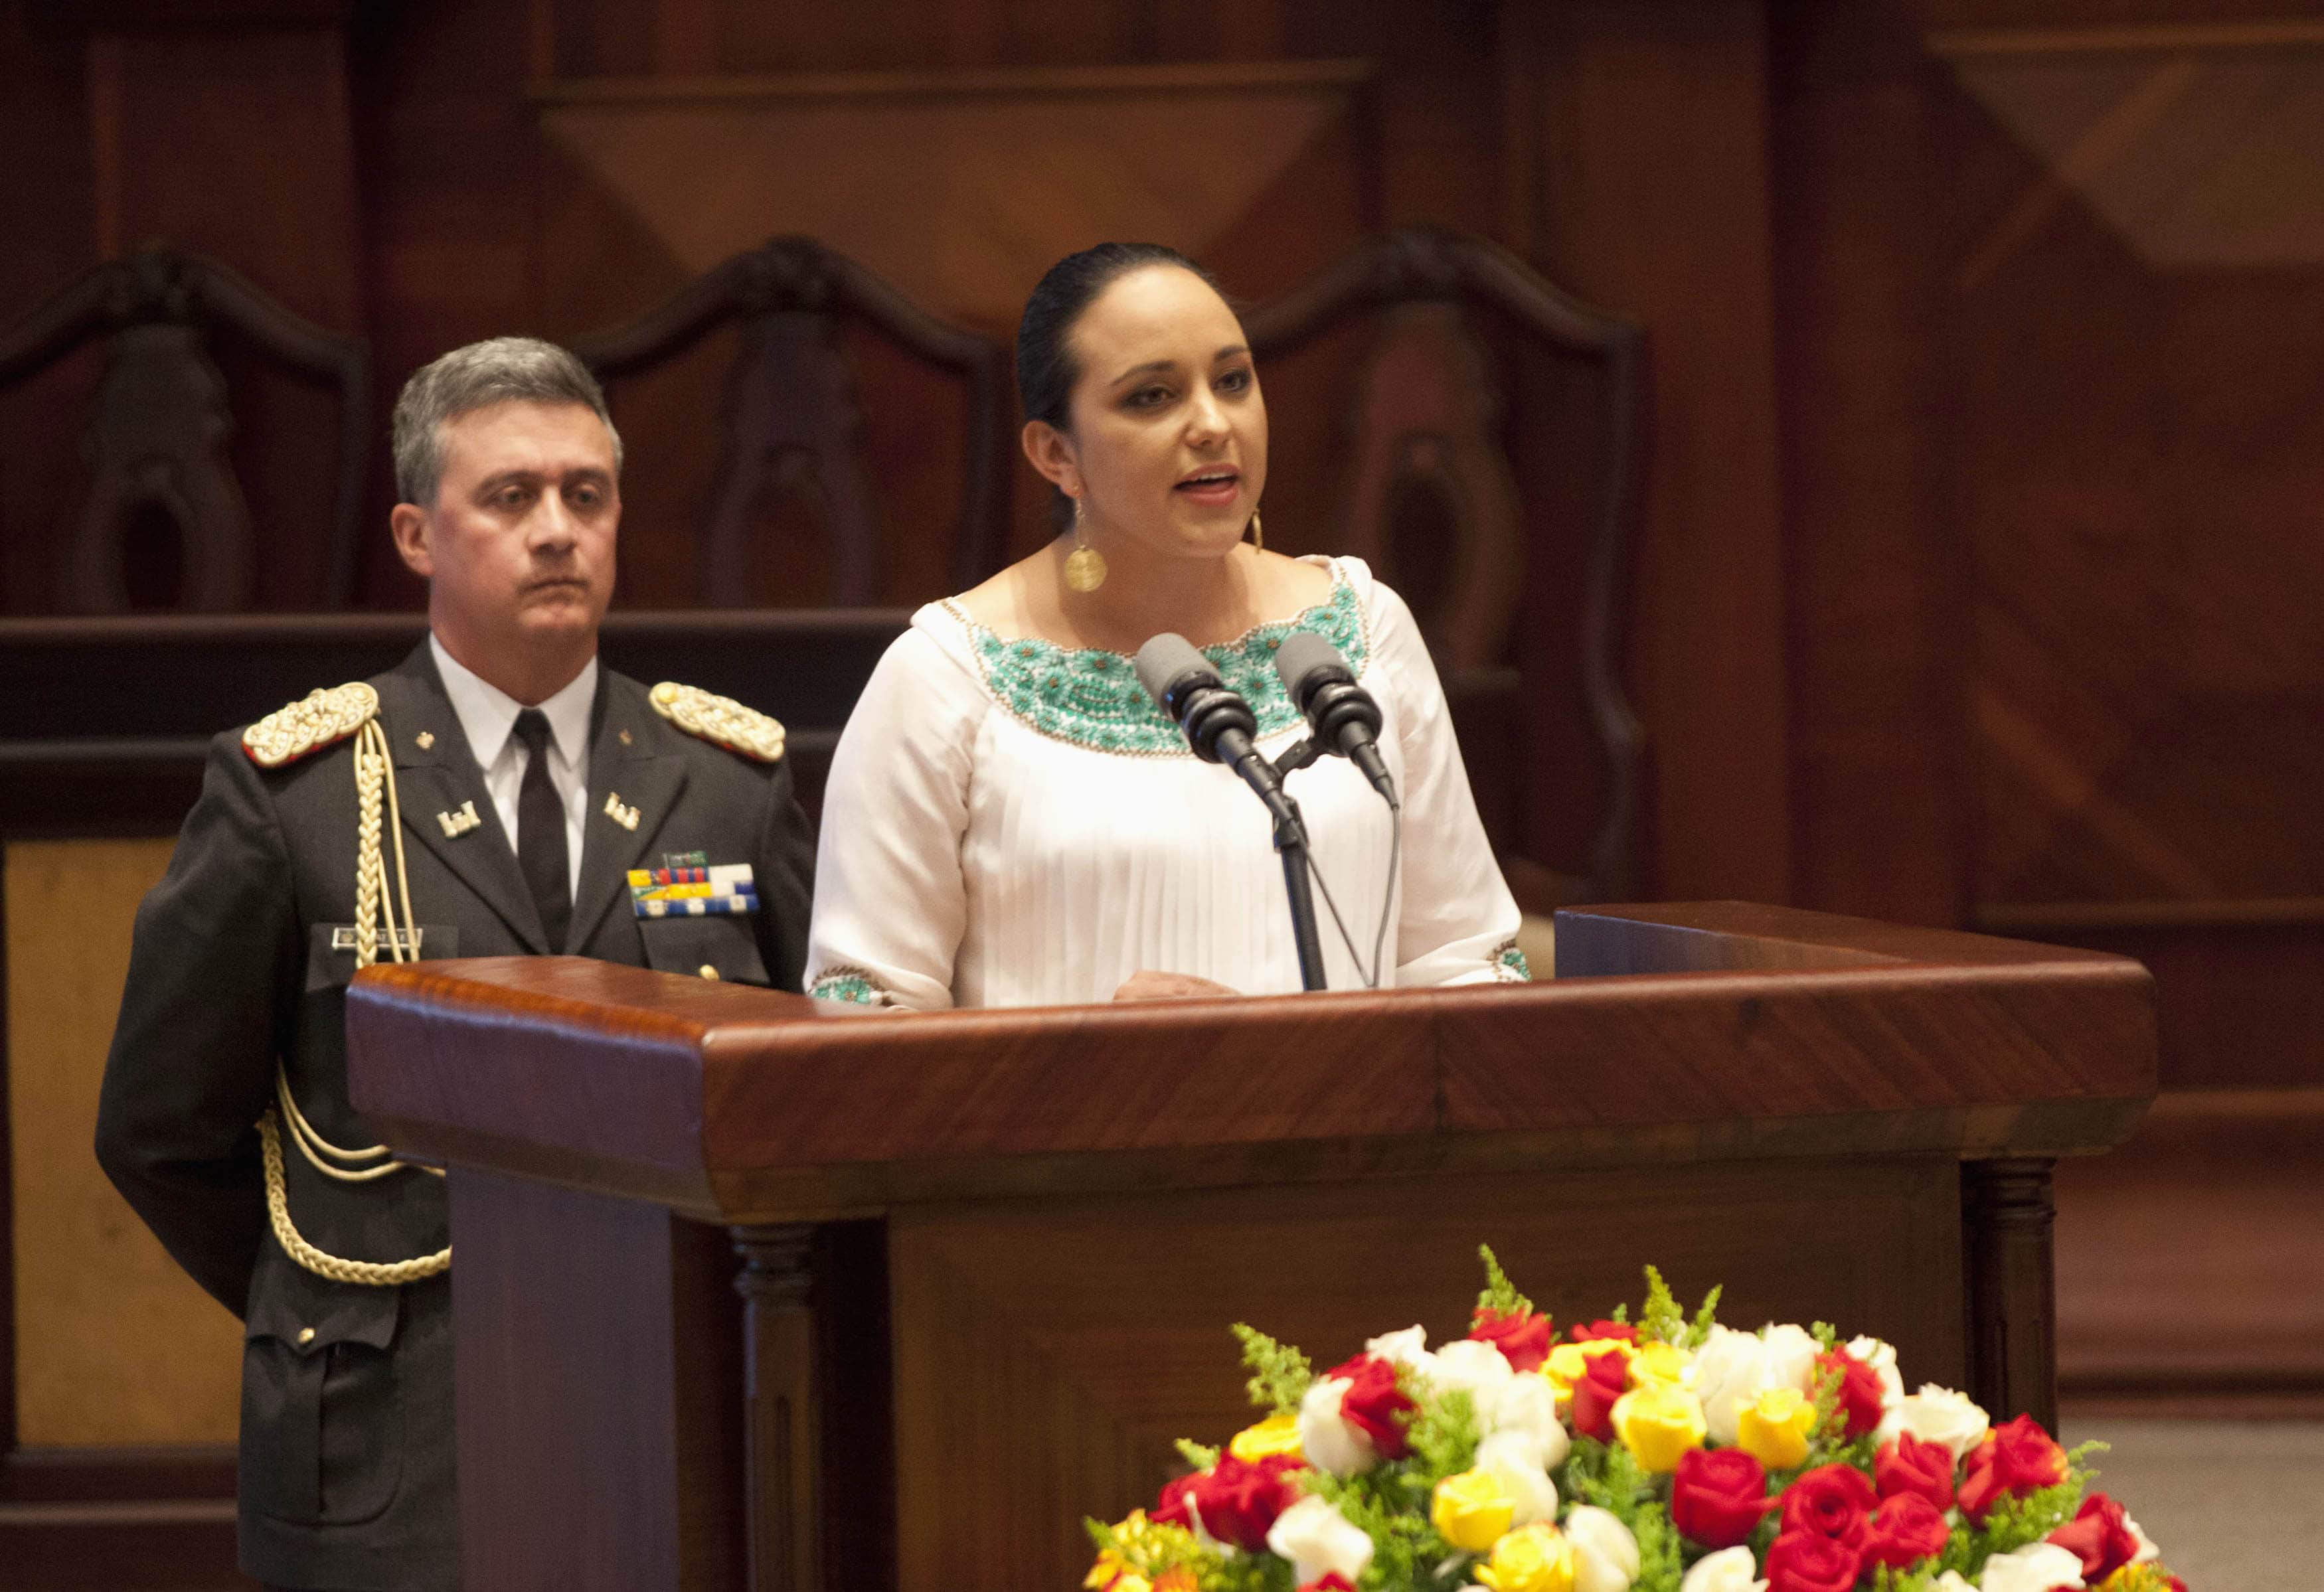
(1732, 1369)
(1478, 1370)
(1330, 1440)
(1605, 1554)
(2036, 1568)
(1882, 1358)
(1951, 1581)
(1318, 1540)
(1790, 1357)
(1509, 1455)
(1408, 1349)
(1936, 1415)
(1527, 1407)
(2147, 1551)
(1730, 1570)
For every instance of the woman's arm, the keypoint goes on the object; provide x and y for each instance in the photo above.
(890, 904)
(1458, 922)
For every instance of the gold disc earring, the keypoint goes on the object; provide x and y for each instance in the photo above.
(1084, 565)
(1258, 534)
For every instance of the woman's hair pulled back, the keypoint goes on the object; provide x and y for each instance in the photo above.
(1045, 370)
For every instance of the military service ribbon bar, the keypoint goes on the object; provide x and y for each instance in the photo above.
(694, 892)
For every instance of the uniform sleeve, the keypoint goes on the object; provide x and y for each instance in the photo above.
(784, 871)
(212, 969)
(890, 904)
(1458, 922)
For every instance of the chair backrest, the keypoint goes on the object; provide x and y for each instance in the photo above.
(790, 421)
(1486, 467)
(157, 433)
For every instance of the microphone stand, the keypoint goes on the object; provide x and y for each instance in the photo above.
(1291, 845)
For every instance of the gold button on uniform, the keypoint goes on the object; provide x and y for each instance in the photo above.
(306, 1335)
(709, 972)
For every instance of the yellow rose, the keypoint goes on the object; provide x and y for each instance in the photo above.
(1278, 1434)
(1661, 1362)
(1774, 1427)
(1472, 1509)
(1658, 1424)
(1534, 1557)
(1567, 1362)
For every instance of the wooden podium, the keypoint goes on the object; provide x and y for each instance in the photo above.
(987, 1259)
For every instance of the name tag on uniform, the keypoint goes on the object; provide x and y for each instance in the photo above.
(343, 938)
(691, 886)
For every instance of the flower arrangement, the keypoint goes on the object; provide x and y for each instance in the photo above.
(1667, 1454)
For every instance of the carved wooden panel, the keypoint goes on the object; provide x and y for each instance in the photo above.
(1091, 1333)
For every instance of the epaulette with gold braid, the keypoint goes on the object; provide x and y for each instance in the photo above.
(720, 720)
(315, 720)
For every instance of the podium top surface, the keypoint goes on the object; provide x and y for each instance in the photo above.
(1718, 1030)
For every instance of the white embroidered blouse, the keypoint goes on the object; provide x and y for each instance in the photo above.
(1013, 823)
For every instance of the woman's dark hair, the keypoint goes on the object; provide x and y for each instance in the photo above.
(1045, 370)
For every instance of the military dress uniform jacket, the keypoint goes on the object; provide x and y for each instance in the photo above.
(240, 957)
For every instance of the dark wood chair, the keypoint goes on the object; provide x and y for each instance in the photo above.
(1488, 469)
(156, 439)
(790, 419)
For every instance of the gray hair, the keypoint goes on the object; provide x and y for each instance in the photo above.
(499, 370)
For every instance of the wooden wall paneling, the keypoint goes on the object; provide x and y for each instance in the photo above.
(46, 190)
(1105, 1362)
(1875, 585)
(1653, 194)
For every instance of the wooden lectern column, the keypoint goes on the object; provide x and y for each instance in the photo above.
(2007, 1231)
(784, 1417)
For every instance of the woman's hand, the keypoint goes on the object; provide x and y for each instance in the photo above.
(1146, 984)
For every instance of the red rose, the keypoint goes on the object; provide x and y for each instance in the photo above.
(1603, 1378)
(1174, 1507)
(1908, 1465)
(1332, 1581)
(2015, 1459)
(1831, 1501)
(1373, 1403)
(1903, 1531)
(2099, 1536)
(1717, 1495)
(1522, 1336)
(1859, 1389)
(1236, 1501)
(1805, 1561)
(1595, 1330)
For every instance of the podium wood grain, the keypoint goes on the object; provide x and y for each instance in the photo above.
(1056, 1212)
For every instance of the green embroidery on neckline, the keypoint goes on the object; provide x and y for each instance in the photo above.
(1092, 697)
(1510, 965)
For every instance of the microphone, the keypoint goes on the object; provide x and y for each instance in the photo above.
(1342, 713)
(1218, 723)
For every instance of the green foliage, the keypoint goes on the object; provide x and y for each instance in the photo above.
(1698, 1333)
(2015, 1521)
(1621, 1316)
(1499, 1294)
(1608, 1475)
(1919, 1579)
(1195, 1454)
(1443, 1437)
(1660, 1320)
(1280, 1374)
(1390, 1502)
(1827, 1338)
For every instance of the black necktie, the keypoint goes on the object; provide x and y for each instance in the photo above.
(541, 832)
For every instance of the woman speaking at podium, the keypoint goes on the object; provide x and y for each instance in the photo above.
(1012, 820)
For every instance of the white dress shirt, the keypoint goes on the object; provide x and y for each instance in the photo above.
(487, 716)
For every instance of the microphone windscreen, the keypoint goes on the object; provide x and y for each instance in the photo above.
(1167, 660)
(1303, 653)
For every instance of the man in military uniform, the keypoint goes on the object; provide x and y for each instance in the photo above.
(498, 793)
